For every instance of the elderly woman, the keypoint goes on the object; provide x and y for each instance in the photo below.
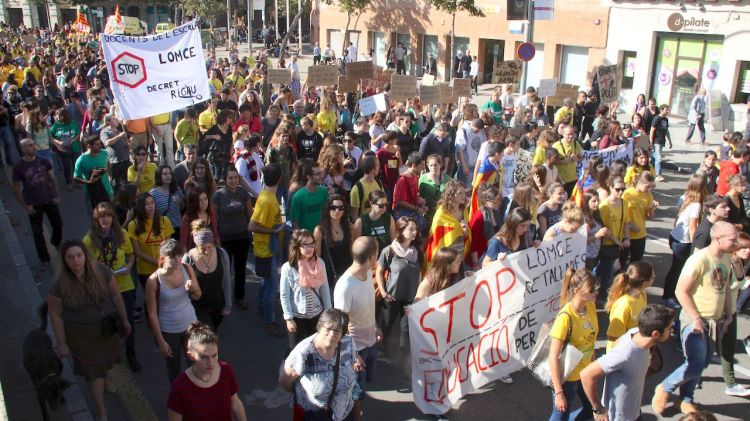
(322, 369)
(85, 295)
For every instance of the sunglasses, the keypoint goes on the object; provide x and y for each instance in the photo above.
(619, 189)
(380, 205)
(336, 208)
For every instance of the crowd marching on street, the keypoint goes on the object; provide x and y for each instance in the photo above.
(349, 219)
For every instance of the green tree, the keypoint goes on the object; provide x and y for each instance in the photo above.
(453, 7)
(207, 10)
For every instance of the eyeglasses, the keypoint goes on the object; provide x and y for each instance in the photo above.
(307, 245)
(595, 288)
(380, 205)
(336, 208)
(619, 189)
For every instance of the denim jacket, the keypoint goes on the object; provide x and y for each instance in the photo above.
(294, 297)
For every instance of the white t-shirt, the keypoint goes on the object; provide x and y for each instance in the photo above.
(508, 162)
(469, 143)
(552, 175)
(352, 52)
(681, 230)
(474, 69)
(357, 298)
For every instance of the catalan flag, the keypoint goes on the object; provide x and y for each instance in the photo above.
(118, 16)
(446, 231)
(580, 188)
(81, 24)
(486, 173)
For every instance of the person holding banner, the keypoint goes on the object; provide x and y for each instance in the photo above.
(449, 227)
(578, 315)
(513, 237)
(443, 272)
(638, 165)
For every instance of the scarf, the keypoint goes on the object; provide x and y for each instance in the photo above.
(409, 254)
(311, 275)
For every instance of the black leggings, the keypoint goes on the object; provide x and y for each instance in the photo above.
(238, 250)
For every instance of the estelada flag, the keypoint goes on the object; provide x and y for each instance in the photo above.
(445, 232)
(487, 173)
(579, 189)
(81, 24)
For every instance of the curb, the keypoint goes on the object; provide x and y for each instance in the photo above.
(75, 401)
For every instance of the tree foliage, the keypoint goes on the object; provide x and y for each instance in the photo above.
(454, 6)
(207, 10)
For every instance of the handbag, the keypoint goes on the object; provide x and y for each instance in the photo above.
(538, 361)
(325, 413)
(108, 325)
(656, 362)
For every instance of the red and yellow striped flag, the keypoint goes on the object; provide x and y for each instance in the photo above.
(445, 232)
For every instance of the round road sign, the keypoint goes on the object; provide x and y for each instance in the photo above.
(526, 51)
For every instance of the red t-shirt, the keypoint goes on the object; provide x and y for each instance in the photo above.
(407, 190)
(197, 403)
(727, 169)
(388, 167)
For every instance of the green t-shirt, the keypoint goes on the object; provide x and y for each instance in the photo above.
(86, 163)
(307, 208)
(66, 133)
(497, 110)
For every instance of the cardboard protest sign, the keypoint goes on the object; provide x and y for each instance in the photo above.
(547, 88)
(446, 93)
(428, 80)
(347, 84)
(608, 89)
(609, 155)
(485, 326)
(380, 78)
(507, 71)
(157, 73)
(322, 75)
(429, 94)
(372, 104)
(360, 69)
(462, 87)
(28, 39)
(403, 87)
(564, 90)
(282, 76)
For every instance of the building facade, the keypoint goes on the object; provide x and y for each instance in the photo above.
(670, 50)
(568, 47)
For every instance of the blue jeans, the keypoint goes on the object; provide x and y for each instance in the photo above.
(267, 269)
(370, 356)
(9, 145)
(570, 390)
(697, 349)
(605, 270)
(657, 158)
(46, 154)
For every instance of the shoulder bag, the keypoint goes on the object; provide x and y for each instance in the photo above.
(538, 361)
(325, 413)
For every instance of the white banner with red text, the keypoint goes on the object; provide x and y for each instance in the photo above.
(156, 74)
(484, 327)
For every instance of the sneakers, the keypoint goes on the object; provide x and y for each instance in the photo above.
(506, 379)
(660, 399)
(746, 343)
(659, 178)
(688, 407)
(737, 390)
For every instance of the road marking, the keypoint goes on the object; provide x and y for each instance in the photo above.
(742, 370)
(660, 241)
(131, 395)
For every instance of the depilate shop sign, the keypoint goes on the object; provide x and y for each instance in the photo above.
(679, 23)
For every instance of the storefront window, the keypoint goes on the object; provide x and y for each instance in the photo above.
(574, 65)
(742, 94)
(429, 46)
(628, 69)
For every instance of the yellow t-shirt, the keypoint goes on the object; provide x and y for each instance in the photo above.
(582, 335)
(564, 112)
(367, 188)
(34, 71)
(124, 280)
(217, 84)
(148, 177)
(207, 119)
(540, 156)
(327, 122)
(567, 171)
(160, 119)
(238, 81)
(615, 218)
(638, 204)
(623, 316)
(267, 214)
(149, 242)
(632, 172)
(712, 279)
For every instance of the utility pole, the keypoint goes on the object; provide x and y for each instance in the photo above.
(229, 23)
(299, 27)
(528, 37)
(276, 17)
(250, 13)
(288, 29)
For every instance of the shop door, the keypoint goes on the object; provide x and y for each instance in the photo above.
(380, 49)
(494, 50)
(686, 84)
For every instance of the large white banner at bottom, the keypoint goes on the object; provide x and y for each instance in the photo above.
(485, 326)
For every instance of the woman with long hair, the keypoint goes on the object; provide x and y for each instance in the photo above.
(639, 164)
(207, 389)
(681, 237)
(270, 123)
(333, 238)
(200, 176)
(198, 207)
(611, 136)
(451, 214)
(397, 276)
(538, 180)
(641, 207)
(210, 264)
(147, 231)
(735, 194)
(378, 222)
(331, 160)
(305, 291)
(550, 212)
(485, 223)
(326, 119)
(233, 208)
(596, 228)
(108, 243)
(571, 221)
(617, 220)
(443, 272)
(280, 152)
(578, 314)
(601, 181)
(37, 129)
(168, 197)
(142, 173)
(83, 292)
(513, 236)
(525, 196)
(626, 299)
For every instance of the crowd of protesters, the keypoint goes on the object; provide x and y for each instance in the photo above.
(349, 219)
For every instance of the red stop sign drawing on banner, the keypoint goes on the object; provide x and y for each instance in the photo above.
(129, 70)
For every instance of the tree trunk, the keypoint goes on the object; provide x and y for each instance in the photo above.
(282, 53)
(346, 34)
(453, 48)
